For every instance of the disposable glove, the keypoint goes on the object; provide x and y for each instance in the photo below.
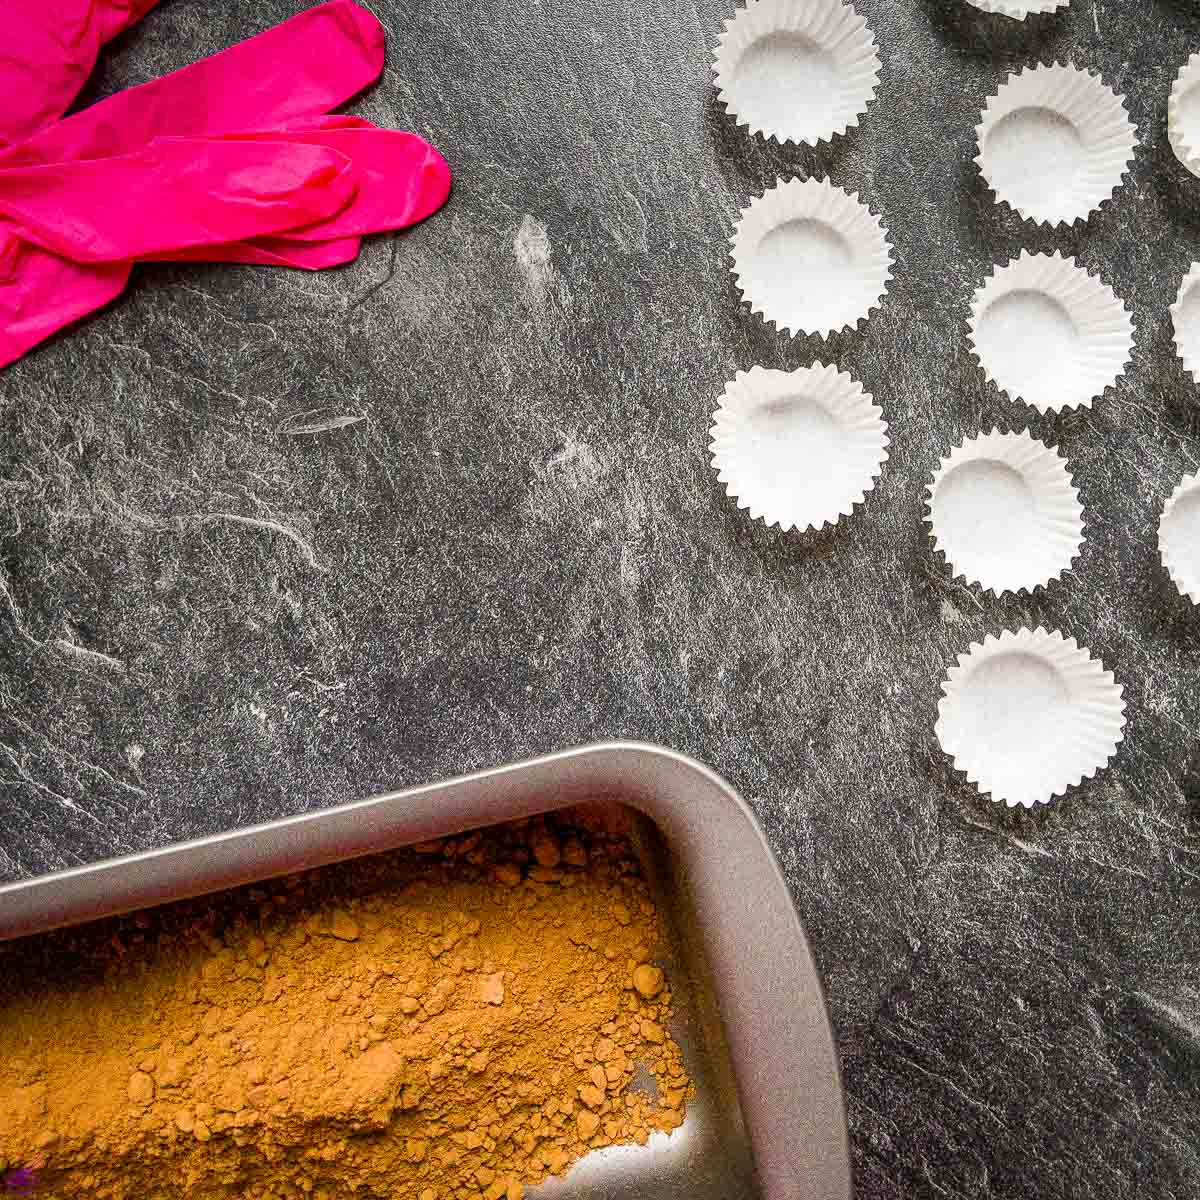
(302, 67)
(277, 84)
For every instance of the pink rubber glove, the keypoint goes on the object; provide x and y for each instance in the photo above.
(333, 51)
(48, 52)
(300, 68)
(307, 65)
(175, 193)
(402, 179)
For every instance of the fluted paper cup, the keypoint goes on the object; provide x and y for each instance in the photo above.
(796, 70)
(1019, 9)
(1185, 319)
(1048, 333)
(1004, 512)
(810, 257)
(1179, 537)
(1029, 714)
(1054, 143)
(798, 449)
(1183, 115)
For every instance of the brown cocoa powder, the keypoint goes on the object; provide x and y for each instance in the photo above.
(459, 1019)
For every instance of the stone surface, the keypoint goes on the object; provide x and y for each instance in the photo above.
(508, 540)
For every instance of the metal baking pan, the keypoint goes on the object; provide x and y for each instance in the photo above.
(768, 1119)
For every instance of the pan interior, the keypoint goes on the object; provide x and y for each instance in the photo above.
(709, 1155)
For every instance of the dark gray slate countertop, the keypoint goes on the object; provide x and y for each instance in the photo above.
(211, 617)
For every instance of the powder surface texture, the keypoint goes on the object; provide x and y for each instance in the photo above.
(458, 1019)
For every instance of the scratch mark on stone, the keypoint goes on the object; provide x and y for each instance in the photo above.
(645, 224)
(1029, 848)
(63, 752)
(1025, 847)
(132, 515)
(157, 366)
(96, 656)
(213, 307)
(24, 779)
(304, 547)
(148, 522)
(297, 425)
(941, 1191)
(1116, 867)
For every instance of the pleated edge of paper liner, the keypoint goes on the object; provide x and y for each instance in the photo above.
(1189, 586)
(962, 663)
(945, 464)
(1019, 11)
(975, 311)
(1191, 278)
(848, 505)
(1188, 76)
(1047, 222)
(775, 136)
(846, 326)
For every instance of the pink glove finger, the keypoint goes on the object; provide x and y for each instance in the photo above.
(380, 210)
(48, 52)
(401, 177)
(41, 292)
(308, 64)
(272, 252)
(176, 192)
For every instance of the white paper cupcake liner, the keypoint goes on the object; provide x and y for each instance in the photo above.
(1185, 319)
(810, 257)
(1019, 9)
(1029, 714)
(798, 449)
(1004, 512)
(1048, 333)
(1179, 537)
(1183, 115)
(796, 70)
(1054, 143)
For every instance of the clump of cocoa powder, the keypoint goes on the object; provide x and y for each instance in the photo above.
(459, 1019)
